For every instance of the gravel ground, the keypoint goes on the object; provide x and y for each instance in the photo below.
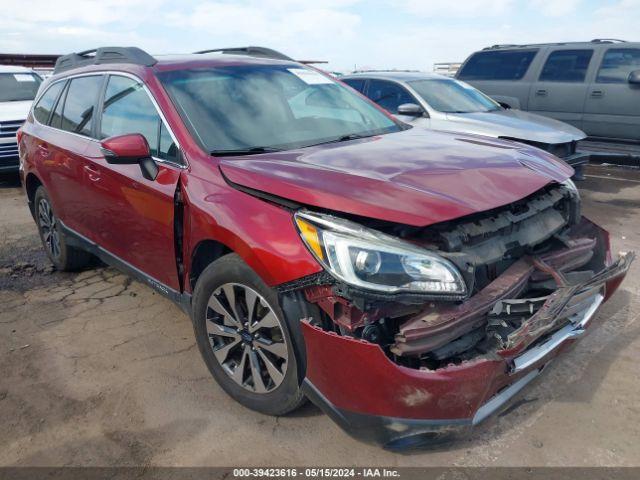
(99, 370)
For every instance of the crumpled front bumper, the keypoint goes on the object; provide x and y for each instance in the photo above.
(375, 399)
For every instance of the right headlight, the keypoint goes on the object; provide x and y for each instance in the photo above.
(372, 260)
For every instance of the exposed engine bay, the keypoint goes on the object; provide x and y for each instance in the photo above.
(529, 268)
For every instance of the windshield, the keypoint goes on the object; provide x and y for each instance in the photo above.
(18, 86)
(452, 96)
(257, 108)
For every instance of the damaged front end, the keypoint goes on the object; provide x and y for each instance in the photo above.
(503, 293)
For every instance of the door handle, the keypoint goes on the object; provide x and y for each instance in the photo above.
(541, 93)
(92, 172)
(597, 94)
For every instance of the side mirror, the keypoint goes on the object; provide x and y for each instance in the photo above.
(504, 105)
(411, 110)
(634, 77)
(128, 150)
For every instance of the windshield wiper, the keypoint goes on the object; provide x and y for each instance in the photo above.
(343, 138)
(244, 151)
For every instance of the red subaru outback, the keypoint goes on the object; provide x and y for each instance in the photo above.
(408, 282)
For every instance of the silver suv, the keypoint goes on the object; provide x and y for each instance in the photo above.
(434, 101)
(18, 88)
(594, 86)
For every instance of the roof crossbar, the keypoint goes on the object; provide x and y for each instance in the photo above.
(261, 52)
(104, 55)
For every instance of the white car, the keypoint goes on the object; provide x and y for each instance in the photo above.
(18, 88)
(442, 103)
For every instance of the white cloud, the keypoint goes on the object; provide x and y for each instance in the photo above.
(252, 20)
(457, 9)
(555, 8)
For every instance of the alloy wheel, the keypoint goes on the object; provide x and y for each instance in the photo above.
(247, 338)
(49, 228)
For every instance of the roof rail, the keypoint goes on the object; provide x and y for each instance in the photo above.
(100, 56)
(261, 52)
(607, 40)
(502, 45)
(387, 70)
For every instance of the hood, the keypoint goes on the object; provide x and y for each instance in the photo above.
(515, 124)
(415, 177)
(14, 110)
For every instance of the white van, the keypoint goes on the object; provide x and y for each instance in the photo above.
(18, 88)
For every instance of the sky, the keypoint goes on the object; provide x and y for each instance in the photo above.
(373, 34)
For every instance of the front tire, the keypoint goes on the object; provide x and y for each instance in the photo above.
(244, 339)
(63, 256)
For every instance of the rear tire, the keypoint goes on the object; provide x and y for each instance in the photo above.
(244, 339)
(63, 256)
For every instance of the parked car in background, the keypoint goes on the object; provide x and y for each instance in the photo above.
(18, 88)
(434, 101)
(595, 86)
(409, 282)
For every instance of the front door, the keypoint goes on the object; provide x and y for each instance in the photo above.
(134, 216)
(612, 108)
(562, 86)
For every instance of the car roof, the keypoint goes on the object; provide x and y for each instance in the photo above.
(398, 76)
(14, 69)
(608, 42)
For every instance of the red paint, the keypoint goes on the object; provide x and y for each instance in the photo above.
(416, 177)
(127, 146)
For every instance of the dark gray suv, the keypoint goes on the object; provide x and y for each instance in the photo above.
(594, 86)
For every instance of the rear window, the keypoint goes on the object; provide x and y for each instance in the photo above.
(78, 111)
(15, 87)
(498, 65)
(617, 64)
(566, 66)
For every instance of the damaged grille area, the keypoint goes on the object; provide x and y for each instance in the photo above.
(487, 244)
(531, 267)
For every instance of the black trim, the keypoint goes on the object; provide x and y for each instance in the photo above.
(75, 239)
(260, 52)
(398, 434)
(283, 202)
(104, 55)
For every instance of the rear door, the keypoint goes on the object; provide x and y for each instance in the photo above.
(612, 107)
(68, 137)
(134, 216)
(561, 87)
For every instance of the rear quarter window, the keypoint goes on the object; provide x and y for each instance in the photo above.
(497, 65)
(42, 110)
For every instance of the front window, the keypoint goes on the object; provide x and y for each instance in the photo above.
(451, 96)
(388, 95)
(128, 109)
(19, 86)
(618, 63)
(251, 109)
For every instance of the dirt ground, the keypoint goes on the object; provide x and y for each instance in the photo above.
(97, 369)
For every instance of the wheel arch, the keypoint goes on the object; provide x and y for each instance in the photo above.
(204, 253)
(31, 184)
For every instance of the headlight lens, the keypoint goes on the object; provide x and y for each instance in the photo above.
(375, 261)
